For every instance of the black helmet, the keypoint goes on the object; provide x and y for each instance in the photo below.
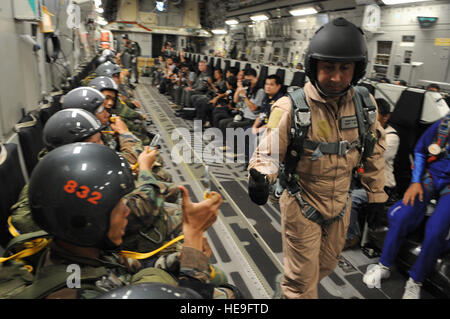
(70, 126)
(151, 290)
(108, 53)
(107, 69)
(340, 41)
(100, 60)
(73, 190)
(104, 83)
(85, 98)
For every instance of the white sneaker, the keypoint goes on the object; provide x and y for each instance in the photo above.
(374, 274)
(412, 289)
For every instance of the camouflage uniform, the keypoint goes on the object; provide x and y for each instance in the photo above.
(126, 143)
(111, 271)
(150, 215)
(151, 222)
(133, 119)
(20, 211)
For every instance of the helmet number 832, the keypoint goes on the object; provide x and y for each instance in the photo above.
(82, 192)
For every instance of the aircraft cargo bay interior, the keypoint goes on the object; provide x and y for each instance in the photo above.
(242, 149)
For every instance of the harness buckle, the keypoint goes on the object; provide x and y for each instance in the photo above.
(303, 118)
(344, 147)
(294, 190)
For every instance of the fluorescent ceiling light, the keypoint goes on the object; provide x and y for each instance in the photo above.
(259, 17)
(232, 22)
(392, 2)
(219, 31)
(303, 11)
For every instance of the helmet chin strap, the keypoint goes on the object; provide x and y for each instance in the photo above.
(322, 92)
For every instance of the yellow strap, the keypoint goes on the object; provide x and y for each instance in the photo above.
(40, 244)
(13, 231)
(136, 255)
(33, 246)
(213, 272)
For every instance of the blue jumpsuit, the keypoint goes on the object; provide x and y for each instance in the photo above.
(435, 178)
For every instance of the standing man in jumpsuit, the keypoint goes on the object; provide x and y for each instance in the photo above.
(335, 61)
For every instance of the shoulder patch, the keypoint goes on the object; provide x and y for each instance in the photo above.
(274, 118)
(324, 129)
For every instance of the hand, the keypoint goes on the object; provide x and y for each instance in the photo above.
(411, 193)
(137, 104)
(255, 130)
(119, 126)
(147, 158)
(198, 217)
(258, 187)
(188, 89)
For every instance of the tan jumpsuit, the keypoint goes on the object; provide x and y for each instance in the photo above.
(310, 251)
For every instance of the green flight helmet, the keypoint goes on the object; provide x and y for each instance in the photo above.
(107, 69)
(70, 126)
(339, 41)
(85, 98)
(73, 190)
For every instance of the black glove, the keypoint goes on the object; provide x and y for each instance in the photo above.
(258, 187)
(375, 213)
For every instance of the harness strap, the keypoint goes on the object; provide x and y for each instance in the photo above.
(55, 278)
(136, 255)
(341, 148)
(299, 128)
(314, 215)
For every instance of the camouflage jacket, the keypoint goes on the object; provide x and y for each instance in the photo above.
(126, 143)
(151, 222)
(133, 119)
(21, 212)
(111, 270)
(98, 276)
